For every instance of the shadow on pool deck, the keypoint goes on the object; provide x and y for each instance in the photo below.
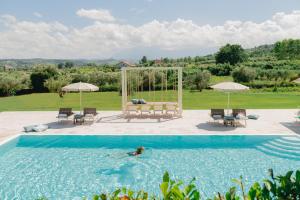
(61, 125)
(293, 126)
(135, 119)
(214, 127)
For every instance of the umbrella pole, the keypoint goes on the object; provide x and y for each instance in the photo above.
(228, 100)
(80, 101)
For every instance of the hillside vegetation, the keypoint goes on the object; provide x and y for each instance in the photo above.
(265, 69)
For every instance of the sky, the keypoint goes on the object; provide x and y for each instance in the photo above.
(129, 29)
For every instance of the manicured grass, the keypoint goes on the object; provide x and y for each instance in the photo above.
(112, 100)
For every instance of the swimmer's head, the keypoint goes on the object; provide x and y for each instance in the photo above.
(140, 150)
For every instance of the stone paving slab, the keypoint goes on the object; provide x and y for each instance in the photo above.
(198, 122)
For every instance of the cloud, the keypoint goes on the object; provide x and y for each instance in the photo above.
(37, 14)
(100, 14)
(107, 38)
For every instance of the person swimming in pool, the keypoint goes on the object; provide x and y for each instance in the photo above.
(137, 152)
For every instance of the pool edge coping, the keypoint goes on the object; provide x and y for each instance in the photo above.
(9, 139)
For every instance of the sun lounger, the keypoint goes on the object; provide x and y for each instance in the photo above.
(64, 114)
(217, 114)
(132, 108)
(171, 108)
(145, 108)
(239, 115)
(158, 108)
(89, 114)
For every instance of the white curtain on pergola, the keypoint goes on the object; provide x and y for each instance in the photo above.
(80, 87)
(229, 87)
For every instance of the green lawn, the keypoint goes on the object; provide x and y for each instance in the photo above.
(112, 100)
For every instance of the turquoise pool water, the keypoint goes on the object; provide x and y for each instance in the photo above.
(70, 167)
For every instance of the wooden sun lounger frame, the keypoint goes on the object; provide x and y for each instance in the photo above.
(64, 114)
(217, 112)
(236, 112)
(90, 114)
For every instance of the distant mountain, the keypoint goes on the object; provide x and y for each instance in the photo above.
(256, 52)
(25, 63)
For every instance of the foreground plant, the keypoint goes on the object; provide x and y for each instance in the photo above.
(282, 187)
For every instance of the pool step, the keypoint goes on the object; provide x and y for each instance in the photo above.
(282, 149)
(285, 147)
(277, 154)
(291, 139)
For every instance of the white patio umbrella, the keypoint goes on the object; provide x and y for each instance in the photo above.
(229, 87)
(80, 87)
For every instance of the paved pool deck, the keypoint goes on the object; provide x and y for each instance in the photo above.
(196, 122)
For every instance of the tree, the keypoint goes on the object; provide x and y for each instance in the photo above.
(55, 85)
(221, 69)
(287, 49)
(9, 85)
(244, 74)
(201, 79)
(69, 64)
(40, 75)
(144, 60)
(232, 54)
(60, 65)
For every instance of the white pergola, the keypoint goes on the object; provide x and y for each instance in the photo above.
(126, 70)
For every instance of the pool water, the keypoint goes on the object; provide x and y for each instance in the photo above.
(70, 167)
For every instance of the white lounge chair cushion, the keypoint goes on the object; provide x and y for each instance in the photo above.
(217, 117)
(241, 116)
(89, 116)
(62, 116)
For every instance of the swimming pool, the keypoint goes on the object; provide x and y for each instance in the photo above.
(70, 167)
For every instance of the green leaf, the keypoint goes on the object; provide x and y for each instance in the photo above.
(164, 188)
(268, 184)
(103, 197)
(166, 177)
(96, 197)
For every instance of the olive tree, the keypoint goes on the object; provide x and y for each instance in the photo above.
(201, 79)
(243, 74)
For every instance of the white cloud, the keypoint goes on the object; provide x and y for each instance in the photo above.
(100, 14)
(37, 14)
(106, 38)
